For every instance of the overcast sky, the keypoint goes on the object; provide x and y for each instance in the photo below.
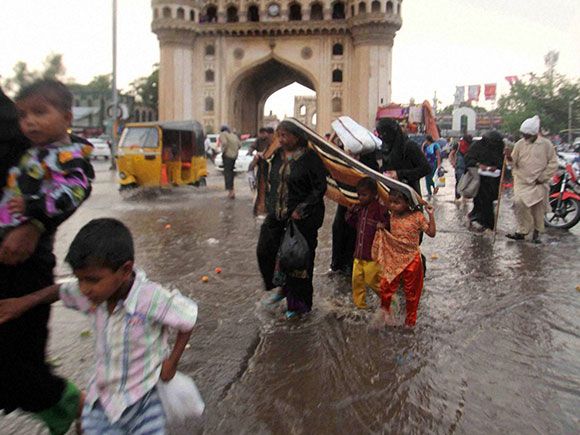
(443, 43)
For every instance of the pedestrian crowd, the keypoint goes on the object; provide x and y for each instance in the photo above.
(45, 176)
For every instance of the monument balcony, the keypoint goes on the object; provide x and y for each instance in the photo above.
(379, 21)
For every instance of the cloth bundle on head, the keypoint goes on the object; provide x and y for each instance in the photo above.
(531, 126)
(355, 138)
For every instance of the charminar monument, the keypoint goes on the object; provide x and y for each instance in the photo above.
(222, 59)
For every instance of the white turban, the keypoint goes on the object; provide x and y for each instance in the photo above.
(531, 126)
(355, 138)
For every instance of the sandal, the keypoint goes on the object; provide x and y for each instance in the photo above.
(516, 236)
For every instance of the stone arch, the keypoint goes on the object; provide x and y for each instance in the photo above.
(209, 76)
(210, 50)
(302, 110)
(210, 14)
(180, 14)
(316, 11)
(337, 75)
(469, 117)
(295, 12)
(337, 105)
(362, 8)
(253, 14)
(209, 105)
(337, 49)
(376, 6)
(389, 7)
(166, 12)
(192, 15)
(252, 86)
(232, 14)
(338, 10)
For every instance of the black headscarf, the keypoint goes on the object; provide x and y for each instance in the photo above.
(393, 138)
(13, 144)
(487, 151)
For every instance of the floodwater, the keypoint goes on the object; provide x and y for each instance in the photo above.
(496, 348)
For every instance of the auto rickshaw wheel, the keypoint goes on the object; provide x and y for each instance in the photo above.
(127, 187)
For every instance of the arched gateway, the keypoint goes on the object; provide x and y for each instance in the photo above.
(221, 59)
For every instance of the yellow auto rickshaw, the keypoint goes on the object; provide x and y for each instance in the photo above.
(161, 154)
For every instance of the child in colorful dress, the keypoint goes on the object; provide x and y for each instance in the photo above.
(398, 253)
(365, 217)
(130, 317)
(53, 177)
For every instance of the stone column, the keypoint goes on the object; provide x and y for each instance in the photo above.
(373, 45)
(175, 75)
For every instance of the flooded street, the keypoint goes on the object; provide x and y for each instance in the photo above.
(496, 348)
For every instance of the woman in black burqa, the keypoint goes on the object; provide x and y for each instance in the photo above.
(296, 184)
(487, 156)
(403, 160)
(26, 265)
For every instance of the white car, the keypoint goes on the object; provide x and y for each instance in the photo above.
(101, 148)
(243, 161)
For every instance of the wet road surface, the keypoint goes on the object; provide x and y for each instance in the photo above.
(496, 348)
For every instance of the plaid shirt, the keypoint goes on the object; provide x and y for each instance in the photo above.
(131, 343)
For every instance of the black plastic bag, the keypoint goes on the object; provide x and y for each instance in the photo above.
(294, 253)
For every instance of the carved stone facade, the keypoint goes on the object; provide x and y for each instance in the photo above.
(305, 110)
(221, 59)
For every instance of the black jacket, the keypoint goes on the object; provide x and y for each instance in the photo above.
(409, 162)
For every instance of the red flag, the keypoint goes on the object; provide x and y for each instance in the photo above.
(511, 79)
(489, 91)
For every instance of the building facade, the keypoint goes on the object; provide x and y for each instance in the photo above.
(222, 59)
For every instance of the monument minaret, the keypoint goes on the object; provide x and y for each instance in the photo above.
(221, 59)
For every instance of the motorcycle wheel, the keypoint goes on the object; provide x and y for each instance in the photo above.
(566, 216)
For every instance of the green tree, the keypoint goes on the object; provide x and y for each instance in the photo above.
(146, 89)
(547, 96)
(53, 68)
(101, 83)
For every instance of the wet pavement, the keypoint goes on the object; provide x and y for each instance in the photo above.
(496, 348)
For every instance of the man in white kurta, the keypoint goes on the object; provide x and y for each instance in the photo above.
(534, 162)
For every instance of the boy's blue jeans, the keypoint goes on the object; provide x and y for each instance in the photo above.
(144, 417)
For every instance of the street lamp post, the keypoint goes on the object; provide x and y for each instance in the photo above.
(570, 122)
(115, 96)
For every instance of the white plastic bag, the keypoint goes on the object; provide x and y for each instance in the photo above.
(439, 181)
(181, 399)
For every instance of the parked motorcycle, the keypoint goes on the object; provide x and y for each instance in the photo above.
(564, 197)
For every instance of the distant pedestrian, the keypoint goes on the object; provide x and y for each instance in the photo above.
(534, 162)
(365, 217)
(397, 251)
(432, 152)
(457, 159)
(487, 156)
(230, 145)
(130, 317)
